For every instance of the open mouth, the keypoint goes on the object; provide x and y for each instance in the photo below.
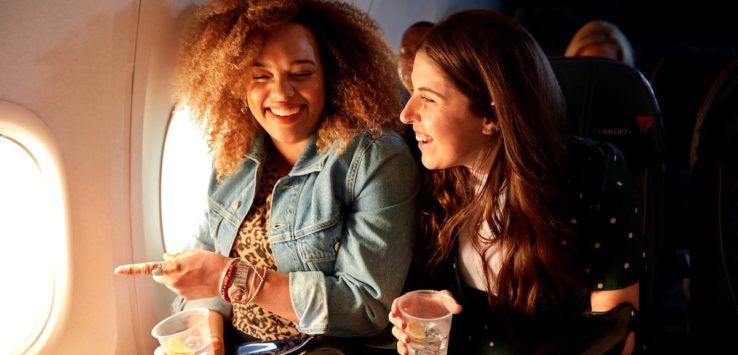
(422, 139)
(285, 115)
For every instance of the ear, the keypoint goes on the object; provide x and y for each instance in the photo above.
(489, 126)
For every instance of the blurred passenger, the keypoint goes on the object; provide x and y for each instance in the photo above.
(600, 39)
(408, 47)
(526, 229)
(312, 200)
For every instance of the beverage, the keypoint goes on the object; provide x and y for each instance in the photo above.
(193, 345)
(185, 333)
(427, 338)
(429, 321)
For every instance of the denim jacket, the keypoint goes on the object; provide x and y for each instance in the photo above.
(342, 225)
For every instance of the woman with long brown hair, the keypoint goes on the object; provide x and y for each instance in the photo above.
(522, 237)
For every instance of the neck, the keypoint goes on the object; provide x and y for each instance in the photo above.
(288, 153)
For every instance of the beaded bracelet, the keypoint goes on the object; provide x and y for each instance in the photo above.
(227, 280)
(262, 278)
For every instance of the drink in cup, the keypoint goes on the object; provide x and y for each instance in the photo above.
(428, 319)
(185, 333)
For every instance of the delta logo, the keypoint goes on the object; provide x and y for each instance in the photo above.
(645, 123)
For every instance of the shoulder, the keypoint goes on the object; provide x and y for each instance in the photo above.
(387, 139)
(593, 163)
(385, 144)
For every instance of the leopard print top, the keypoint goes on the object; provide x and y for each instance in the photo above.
(252, 245)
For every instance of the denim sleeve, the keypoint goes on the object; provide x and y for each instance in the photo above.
(374, 255)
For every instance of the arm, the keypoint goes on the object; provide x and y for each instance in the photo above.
(602, 301)
(617, 266)
(370, 266)
(375, 250)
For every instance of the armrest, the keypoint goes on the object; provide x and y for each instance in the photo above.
(595, 332)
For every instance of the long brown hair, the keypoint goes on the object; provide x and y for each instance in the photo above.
(497, 64)
(360, 76)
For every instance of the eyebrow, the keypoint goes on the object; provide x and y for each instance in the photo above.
(424, 89)
(297, 62)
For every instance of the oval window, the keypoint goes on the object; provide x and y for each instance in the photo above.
(185, 172)
(26, 229)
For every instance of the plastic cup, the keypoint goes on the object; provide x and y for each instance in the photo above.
(429, 321)
(185, 333)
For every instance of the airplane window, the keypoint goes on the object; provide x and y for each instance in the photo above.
(27, 259)
(185, 172)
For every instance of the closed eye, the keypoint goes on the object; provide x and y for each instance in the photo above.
(302, 74)
(426, 99)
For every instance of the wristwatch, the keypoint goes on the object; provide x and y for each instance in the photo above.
(238, 291)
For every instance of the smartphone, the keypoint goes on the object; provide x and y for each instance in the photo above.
(277, 347)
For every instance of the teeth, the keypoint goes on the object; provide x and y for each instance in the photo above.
(422, 138)
(285, 111)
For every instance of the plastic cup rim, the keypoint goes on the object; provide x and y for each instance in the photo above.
(447, 315)
(189, 310)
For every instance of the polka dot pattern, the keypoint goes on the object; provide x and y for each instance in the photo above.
(602, 213)
(605, 215)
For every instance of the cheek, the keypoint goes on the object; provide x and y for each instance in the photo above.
(316, 95)
(253, 98)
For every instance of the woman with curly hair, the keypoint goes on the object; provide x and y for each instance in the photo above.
(528, 230)
(312, 201)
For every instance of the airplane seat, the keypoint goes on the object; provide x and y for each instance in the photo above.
(612, 102)
(714, 209)
(680, 82)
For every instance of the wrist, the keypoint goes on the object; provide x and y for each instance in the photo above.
(246, 283)
(226, 279)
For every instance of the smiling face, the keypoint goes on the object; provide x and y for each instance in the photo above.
(448, 133)
(285, 90)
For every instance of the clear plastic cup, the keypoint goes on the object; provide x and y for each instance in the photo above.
(185, 333)
(429, 321)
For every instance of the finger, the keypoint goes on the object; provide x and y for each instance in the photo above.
(159, 279)
(400, 335)
(401, 348)
(136, 269)
(450, 302)
(397, 320)
(167, 256)
(217, 342)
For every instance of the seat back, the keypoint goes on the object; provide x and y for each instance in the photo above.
(681, 81)
(613, 102)
(714, 203)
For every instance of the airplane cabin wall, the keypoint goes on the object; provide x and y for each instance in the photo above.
(85, 68)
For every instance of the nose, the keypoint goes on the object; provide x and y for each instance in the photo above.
(283, 88)
(409, 114)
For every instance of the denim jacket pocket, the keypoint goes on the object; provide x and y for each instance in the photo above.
(318, 250)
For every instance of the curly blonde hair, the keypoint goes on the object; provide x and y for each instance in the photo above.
(225, 37)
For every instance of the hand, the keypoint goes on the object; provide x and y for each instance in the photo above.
(400, 323)
(191, 274)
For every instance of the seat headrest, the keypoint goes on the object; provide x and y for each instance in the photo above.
(716, 131)
(612, 102)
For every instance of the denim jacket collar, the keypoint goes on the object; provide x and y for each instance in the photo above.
(310, 159)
